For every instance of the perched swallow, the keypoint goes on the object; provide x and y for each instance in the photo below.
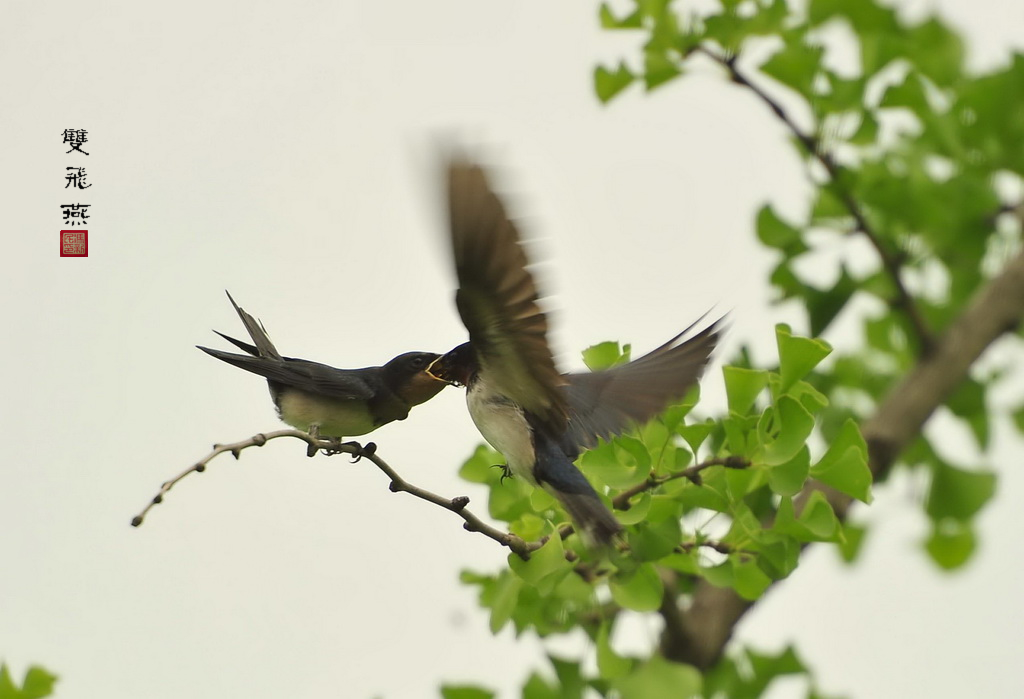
(329, 402)
(537, 417)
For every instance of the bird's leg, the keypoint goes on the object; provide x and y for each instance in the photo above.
(368, 449)
(314, 432)
(506, 472)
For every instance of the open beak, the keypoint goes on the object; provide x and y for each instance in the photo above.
(441, 370)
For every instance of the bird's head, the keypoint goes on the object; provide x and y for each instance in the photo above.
(456, 367)
(409, 378)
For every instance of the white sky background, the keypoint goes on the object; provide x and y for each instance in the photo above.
(287, 152)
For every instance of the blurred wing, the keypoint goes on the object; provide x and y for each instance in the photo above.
(497, 298)
(605, 403)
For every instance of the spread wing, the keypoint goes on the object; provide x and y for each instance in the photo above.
(497, 298)
(605, 403)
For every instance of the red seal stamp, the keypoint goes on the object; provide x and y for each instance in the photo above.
(74, 243)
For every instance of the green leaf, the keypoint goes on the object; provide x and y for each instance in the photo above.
(652, 542)
(796, 64)
(968, 403)
(738, 436)
(749, 580)
(478, 468)
(819, 518)
(828, 206)
(609, 663)
(867, 132)
(951, 543)
(506, 594)
(908, 94)
(610, 21)
(816, 522)
(659, 68)
(465, 692)
(616, 463)
(608, 84)
(958, 494)
(776, 233)
(508, 500)
(824, 306)
(720, 575)
(637, 512)
(537, 687)
(788, 478)
(541, 500)
(569, 676)
(771, 666)
(797, 355)
(853, 539)
(793, 425)
(639, 590)
(605, 355)
(937, 51)
(811, 398)
(1018, 418)
(660, 679)
(548, 559)
(845, 465)
(695, 434)
(705, 496)
(779, 555)
(742, 386)
(38, 683)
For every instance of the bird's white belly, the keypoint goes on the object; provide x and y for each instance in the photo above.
(336, 418)
(505, 428)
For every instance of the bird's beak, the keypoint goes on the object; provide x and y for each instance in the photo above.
(443, 370)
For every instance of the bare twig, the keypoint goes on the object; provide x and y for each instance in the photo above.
(398, 484)
(890, 261)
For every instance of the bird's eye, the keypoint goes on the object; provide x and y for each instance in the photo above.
(419, 362)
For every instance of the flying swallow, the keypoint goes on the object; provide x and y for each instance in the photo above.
(539, 418)
(330, 402)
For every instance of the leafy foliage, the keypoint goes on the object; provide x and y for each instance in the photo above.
(906, 151)
(37, 683)
(733, 527)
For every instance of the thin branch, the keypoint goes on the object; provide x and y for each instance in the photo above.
(329, 447)
(720, 546)
(890, 261)
(621, 501)
(691, 473)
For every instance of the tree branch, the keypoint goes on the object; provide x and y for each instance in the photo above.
(890, 261)
(691, 473)
(329, 447)
(996, 308)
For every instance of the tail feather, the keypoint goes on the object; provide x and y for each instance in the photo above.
(553, 469)
(595, 522)
(257, 365)
(256, 331)
(244, 346)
